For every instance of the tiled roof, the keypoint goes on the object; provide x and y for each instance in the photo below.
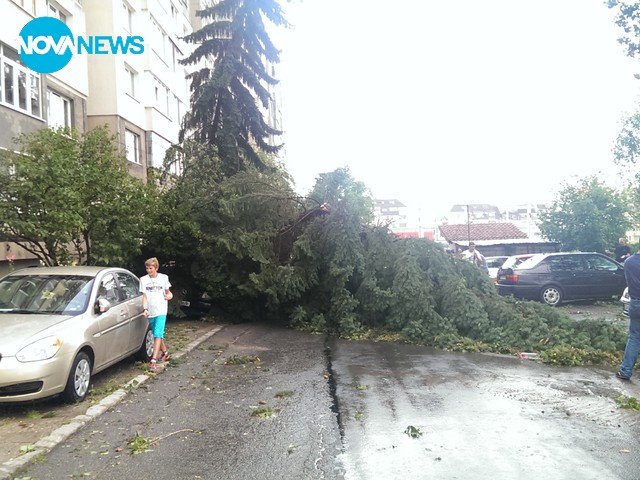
(481, 231)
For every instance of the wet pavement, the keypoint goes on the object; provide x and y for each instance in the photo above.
(257, 402)
(479, 416)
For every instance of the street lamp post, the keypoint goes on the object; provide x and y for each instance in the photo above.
(468, 226)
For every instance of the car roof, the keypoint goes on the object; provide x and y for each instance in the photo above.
(556, 254)
(83, 270)
(539, 257)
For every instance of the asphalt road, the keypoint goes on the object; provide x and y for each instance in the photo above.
(257, 402)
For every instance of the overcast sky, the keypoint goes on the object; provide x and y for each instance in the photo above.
(440, 102)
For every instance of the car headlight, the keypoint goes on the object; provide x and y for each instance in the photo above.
(40, 350)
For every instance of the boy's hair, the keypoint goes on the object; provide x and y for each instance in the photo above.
(153, 261)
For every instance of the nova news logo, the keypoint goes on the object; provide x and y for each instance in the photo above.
(47, 45)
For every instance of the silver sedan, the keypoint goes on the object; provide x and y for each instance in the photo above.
(61, 325)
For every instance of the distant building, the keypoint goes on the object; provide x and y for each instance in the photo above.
(390, 212)
(460, 213)
(400, 220)
(493, 239)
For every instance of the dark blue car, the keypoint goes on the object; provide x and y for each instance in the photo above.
(554, 278)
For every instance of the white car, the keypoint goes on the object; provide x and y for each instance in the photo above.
(493, 264)
(625, 300)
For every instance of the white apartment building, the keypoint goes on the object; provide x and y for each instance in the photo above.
(141, 97)
(30, 100)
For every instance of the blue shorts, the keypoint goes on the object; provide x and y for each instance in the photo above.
(157, 325)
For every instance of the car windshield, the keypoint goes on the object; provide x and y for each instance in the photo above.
(50, 294)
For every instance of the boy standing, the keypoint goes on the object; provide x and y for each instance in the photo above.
(155, 295)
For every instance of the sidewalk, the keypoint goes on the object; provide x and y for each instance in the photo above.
(25, 436)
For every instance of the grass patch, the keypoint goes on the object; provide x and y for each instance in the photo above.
(284, 394)
(105, 390)
(211, 348)
(413, 432)
(242, 360)
(628, 402)
(264, 412)
(139, 444)
(27, 449)
(361, 387)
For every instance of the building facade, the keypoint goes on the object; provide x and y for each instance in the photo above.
(140, 97)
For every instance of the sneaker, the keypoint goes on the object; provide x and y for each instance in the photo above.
(164, 356)
(152, 365)
(622, 377)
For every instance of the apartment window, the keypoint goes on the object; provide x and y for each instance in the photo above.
(35, 95)
(132, 79)
(19, 86)
(132, 144)
(28, 5)
(159, 40)
(55, 12)
(128, 17)
(59, 110)
(174, 14)
(162, 95)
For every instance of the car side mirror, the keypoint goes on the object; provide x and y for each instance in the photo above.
(102, 305)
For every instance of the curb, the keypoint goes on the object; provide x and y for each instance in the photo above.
(46, 444)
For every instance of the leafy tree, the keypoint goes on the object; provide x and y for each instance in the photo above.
(628, 18)
(627, 146)
(229, 90)
(68, 198)
(587, 216)
(626, 149)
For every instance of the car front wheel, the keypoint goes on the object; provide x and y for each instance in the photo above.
(551, 295)
(79, 379)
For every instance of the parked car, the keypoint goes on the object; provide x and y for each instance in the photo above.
(625, 299)
(554, 278)
(493, 264)
(61, 325)
(195, 306)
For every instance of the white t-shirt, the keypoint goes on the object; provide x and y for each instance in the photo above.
(154, 288)
(475, 257)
